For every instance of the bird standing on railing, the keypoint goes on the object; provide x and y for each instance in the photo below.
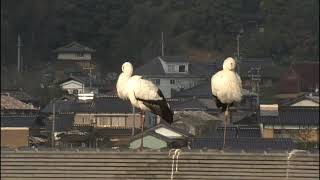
(226, 88)
(143, 94)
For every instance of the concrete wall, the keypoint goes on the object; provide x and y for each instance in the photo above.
(179, 83)
(14, 137)
(267, 133)
(191, 165)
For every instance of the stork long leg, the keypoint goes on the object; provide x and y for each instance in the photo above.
(226, 114)
(142, 129)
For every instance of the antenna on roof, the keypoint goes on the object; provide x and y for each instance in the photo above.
(162, 45)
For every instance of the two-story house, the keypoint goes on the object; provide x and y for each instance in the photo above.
(73, 58)
(106, 119)
(301, 123)
(173, 73)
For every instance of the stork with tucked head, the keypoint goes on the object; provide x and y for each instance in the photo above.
(142, 94)
(226, 88)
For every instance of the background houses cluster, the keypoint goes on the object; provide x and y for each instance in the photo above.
(90, 115)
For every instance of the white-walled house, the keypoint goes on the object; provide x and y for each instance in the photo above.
(73, 85)
(173, 73)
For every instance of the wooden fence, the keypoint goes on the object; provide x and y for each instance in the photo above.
(212, 165)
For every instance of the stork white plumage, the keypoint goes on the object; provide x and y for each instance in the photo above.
(142, 94)
(226, 88)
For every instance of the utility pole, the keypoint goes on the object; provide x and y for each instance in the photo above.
(134, 120)
(238, 49)
(19, 45)
(256, 77)
(4, 19)
(162, 45)
(53, 123)
(90, 74)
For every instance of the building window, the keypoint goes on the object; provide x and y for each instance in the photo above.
(172, 81)
(156, 81)
(75, 91)
(182, 68)
(171, 68)
(80, 54)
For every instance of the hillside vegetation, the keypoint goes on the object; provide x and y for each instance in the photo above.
(131, 29)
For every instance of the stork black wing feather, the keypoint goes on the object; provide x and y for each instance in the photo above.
(159, 107)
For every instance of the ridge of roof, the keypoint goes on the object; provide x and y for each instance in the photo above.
(74, 47)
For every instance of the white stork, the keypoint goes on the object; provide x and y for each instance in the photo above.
(143, 94)
(226, 88)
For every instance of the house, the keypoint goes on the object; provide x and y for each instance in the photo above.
(173, 73)
(197, 123)
(20, 95)
(77, 84)
(19, 122)
(300, 78)
(299, 123)
(73, 58)
(107, 117)
(203, 94)
(262, 68)
(73, 85)
(251, 69)
(11, 104)
(161, 136)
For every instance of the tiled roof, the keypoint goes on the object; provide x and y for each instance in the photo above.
(268, 69)
(107, 132)
(175, 58)
(151, 131)
(204, 90)
(154, 68)
(294, 116)
(98, 105)
(18, 94)
(238, 132)
(195, 117)
(8, 102)
(63, 122)
(111, 105)
(289, 102)
(74, 47)
(20, 121)
(84, 80)
(247, 144)
(247, 119)
(189, 104)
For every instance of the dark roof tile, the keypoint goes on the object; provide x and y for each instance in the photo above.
(18, 121)
(294, 116)
(74, 47)
(238, 132)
